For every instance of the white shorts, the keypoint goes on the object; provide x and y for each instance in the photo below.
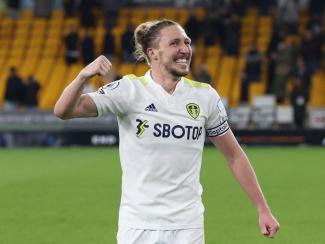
(127, 235)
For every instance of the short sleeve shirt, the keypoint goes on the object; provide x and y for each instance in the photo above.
(161, 144)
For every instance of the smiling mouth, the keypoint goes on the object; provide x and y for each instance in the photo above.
(182, 61)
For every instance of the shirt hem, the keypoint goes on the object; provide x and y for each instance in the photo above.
(161, 227)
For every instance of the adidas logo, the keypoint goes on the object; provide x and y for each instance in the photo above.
(151, 108)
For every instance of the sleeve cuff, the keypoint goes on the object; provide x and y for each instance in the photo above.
(93, 97)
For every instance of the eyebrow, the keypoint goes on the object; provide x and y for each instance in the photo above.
(180, 39)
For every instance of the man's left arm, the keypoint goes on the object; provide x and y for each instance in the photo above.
(245, 175)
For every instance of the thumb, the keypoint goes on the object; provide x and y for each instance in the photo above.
(264, 230)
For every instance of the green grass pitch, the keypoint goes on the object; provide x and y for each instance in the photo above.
(71, 196)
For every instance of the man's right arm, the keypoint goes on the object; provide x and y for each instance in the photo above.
(72, 104)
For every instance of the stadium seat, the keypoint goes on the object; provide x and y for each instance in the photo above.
(153, 13)
(226, 77)
(126, 68)
(39, 23)
(99, 38)
(55, 23)
(55, 33)
(72, 71)
(200, 13)
(234, 99)
(14, 61)
(54, 86)
(35, 45)
(70, 22)
(317, 98)
(124, 12)
(213, 51)
(213, 66)
(256, 88)
(197, 59)
(50, 53)
(28, 66)
(6, 32)
(18, 43)
(32, 54)
(117, 33)
(265, 24)
(57, 14)
(26, 14)
(182, 15)
(3, 81)
(170, 13)
(38, 33)
(43, 70)
(22, 23)
(140, 69)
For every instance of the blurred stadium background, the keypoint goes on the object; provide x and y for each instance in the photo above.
(265, 58)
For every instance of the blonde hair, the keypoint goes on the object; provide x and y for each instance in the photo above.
(146, 36)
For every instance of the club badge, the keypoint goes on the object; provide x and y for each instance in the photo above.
(193, 110)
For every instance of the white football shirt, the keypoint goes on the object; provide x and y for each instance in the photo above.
(161, 143)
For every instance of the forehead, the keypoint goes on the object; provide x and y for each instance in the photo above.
(172, 32)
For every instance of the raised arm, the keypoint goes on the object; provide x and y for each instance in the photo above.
(245, 175)
(72, 104)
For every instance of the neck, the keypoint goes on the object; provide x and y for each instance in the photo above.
(167, 81)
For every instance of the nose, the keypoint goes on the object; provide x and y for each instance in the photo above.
(184, 48)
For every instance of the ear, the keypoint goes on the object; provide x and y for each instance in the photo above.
(152, 53)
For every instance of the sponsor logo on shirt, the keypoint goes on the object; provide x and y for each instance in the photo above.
(142, 125)
(193, 110)
(177, 131)
(165, 130)
(151, 108)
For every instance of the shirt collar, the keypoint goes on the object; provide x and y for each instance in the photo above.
(151, 81)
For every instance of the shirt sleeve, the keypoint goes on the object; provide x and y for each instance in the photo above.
(112, 98)
(217, 122)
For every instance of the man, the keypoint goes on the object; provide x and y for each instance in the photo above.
(88, 48)
(252, 72)
(30, 90)
(162, 119)
(127, 45)
(71, 42)
(13, 94)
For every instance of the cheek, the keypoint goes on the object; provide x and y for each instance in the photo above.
(166, 58)
(190, 50)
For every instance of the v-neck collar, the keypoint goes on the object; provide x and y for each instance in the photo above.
(157, 87)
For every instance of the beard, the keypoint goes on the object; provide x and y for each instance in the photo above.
(173, 68)
(177, 71)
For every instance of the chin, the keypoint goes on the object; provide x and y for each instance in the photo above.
(179, 73)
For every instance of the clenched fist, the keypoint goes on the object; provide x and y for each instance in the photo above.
(100, 66)
(268, 224)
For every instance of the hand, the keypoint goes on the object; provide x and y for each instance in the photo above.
(268, 224)
(100, 66)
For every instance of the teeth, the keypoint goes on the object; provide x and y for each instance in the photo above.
(181, 61)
